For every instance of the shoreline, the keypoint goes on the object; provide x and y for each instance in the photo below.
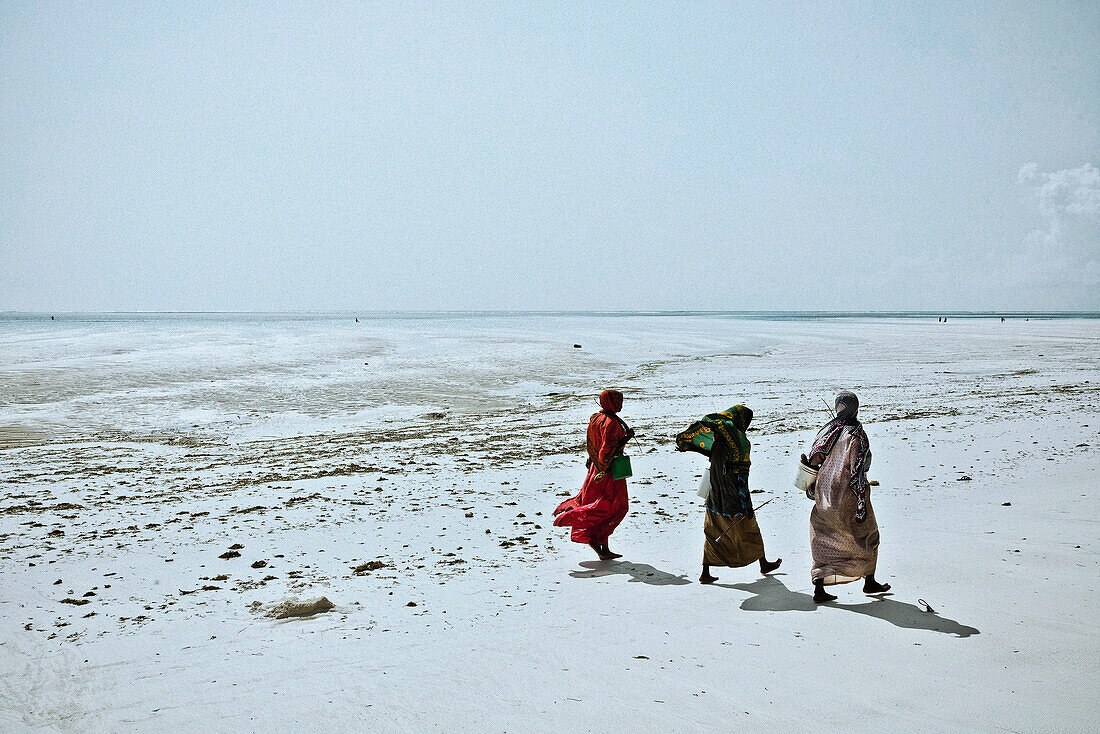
(767, 315)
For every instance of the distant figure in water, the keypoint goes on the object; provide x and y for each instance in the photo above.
(731, 535)
(602, 503)
(844, 535)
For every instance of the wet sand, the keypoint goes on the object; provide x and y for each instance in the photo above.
(133, 458)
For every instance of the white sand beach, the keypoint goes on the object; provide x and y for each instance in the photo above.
(134, 453)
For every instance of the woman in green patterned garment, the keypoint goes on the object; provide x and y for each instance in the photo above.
(732, 535)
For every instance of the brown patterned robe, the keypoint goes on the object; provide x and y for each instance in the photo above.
(843, 549)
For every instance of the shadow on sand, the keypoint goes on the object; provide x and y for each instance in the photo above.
(642, 572)
(772, 595)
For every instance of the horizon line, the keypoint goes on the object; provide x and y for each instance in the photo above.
(589, 312)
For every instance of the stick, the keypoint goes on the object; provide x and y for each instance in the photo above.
(828, 408)
(731, 527)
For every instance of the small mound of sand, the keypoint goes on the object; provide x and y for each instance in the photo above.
(295, 608)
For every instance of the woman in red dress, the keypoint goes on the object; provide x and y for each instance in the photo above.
(602, 503)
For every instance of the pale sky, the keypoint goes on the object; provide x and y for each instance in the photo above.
(817, 156)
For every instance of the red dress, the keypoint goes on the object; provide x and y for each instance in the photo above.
(602, 503)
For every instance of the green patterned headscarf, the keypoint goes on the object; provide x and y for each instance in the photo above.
(729, 424)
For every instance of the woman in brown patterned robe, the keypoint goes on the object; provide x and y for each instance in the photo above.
(844, 535)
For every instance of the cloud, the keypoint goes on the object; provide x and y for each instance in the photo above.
(1050, 262)
(1063, 252)
(1069, 191)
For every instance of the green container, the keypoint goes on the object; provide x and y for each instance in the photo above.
(620, 467)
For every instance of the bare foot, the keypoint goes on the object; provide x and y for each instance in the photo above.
(870, 586)
(610, 553)
(605, 555)
(821, 596)
(767, 566)
(706, 578)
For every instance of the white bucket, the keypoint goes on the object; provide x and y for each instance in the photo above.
(805, 478)
(704, 484)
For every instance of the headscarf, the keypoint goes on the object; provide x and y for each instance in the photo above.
(730, 424)
(847, 406)
(611, 400)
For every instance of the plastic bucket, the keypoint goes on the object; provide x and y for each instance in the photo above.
(805, 478)
(620, 467)
(704, 484)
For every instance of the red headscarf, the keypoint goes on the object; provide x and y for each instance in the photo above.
(611, 400)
